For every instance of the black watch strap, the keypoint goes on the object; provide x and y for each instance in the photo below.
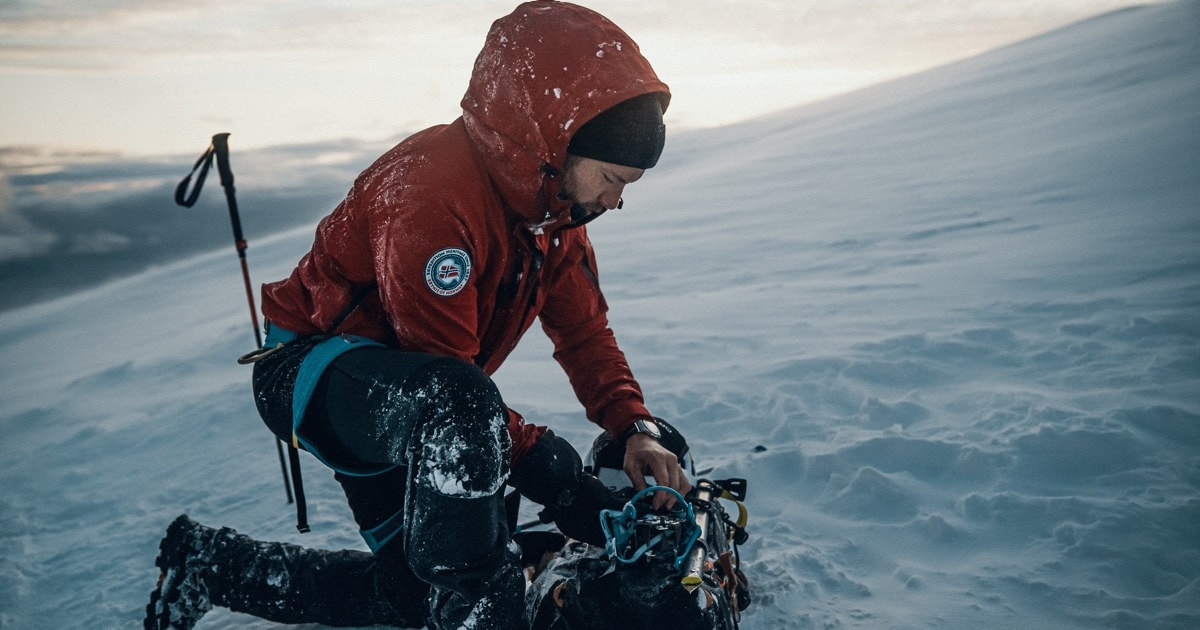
(644, 426)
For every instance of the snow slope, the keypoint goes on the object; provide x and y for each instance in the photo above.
(946, 326)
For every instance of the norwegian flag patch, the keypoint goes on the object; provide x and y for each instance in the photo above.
(447, 271)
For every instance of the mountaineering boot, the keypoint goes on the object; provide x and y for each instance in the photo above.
(204, 567)
(181, 596)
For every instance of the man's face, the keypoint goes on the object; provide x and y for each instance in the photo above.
(595, 186)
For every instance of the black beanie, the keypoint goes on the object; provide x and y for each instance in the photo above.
(630, 133)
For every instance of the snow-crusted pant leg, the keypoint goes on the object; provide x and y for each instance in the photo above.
(380, 415)
(457, 536)
(291, 584)
(444, 421)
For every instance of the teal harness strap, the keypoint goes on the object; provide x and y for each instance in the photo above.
(379, 535)
(277, 336)
(311, 369)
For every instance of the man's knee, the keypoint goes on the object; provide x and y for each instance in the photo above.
(457, 530)
(463, 439)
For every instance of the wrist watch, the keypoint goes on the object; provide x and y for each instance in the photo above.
(645, 426)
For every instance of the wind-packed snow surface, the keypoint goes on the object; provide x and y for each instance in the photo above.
(948, 328)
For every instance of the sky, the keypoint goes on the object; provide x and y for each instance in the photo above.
(105, 104)
(155, 77)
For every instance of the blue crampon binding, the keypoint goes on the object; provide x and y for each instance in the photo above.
(631, 536)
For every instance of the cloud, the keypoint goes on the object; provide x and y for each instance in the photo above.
(101, 242)
(123, 34)
(20, 239)
(72, 221)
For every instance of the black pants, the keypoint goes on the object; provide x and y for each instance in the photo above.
(421, 447)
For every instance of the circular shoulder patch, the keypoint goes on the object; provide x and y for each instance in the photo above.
(447, 271)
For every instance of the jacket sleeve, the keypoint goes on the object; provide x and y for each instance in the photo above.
(410, 237)
(576, 320)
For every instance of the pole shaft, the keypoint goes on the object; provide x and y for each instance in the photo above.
(220, 143)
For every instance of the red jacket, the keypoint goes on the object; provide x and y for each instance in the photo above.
(456, 236)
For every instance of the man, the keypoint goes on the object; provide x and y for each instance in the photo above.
(417, 287)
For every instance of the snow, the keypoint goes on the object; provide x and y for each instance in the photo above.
(945, 326)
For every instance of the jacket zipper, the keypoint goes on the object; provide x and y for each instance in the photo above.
(522, 296)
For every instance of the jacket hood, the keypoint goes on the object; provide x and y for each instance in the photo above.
(544, 71)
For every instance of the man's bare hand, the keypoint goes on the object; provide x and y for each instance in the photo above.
(644, 455)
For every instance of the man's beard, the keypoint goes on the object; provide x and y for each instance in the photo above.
(580, 215)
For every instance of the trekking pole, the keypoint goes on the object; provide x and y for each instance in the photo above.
(220, 143)
(219, 149)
